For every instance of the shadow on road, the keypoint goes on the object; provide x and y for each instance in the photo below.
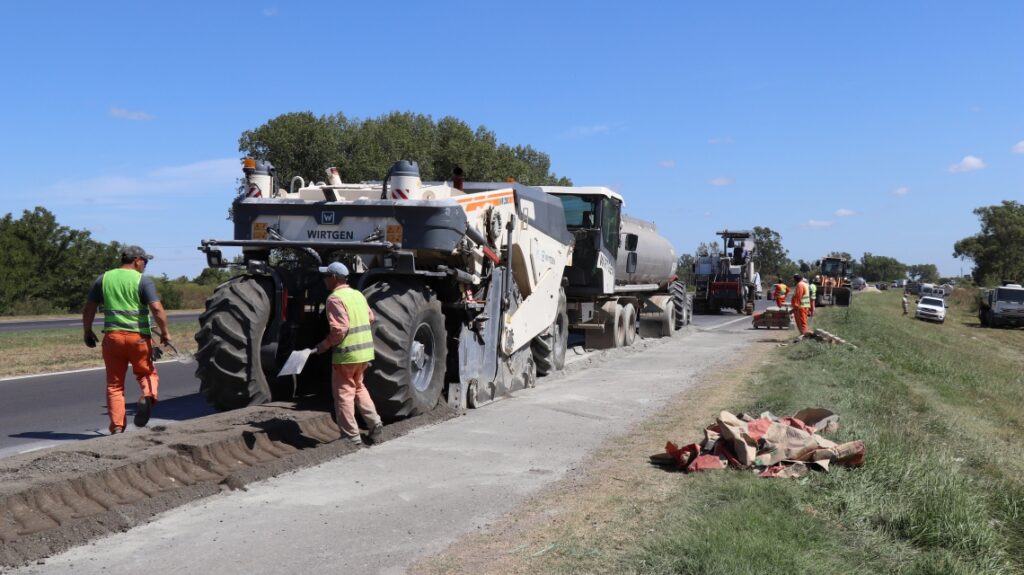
(178, 408)
(56, 435)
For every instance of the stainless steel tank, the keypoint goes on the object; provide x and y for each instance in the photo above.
(656, 258)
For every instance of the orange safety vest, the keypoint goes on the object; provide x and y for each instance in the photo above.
(801, 298)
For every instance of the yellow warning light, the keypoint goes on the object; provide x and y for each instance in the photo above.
(510, 180)
(249, 164)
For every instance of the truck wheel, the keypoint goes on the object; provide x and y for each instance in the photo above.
(230, 370)
(629, 325)
(983, 318)
(612, 335)
(682, 303)
(406, 377)
(549, 348)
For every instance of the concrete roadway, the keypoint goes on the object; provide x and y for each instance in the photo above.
(382, 508)
(42, 411)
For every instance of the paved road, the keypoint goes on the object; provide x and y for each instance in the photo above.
(379, 509)
(35, 324)
(42, 411)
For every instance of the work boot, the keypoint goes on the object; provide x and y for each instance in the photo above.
(375, 433)
(116, 430)
(355, 440)
(143, 410)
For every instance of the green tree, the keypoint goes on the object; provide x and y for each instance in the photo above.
(877, 268)
(213, 276)
(998, 249)
(923, 273)
(44, 261)
(770, 257)
(300, 144)
(684, 268)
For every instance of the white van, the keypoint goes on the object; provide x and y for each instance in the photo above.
(932, 290)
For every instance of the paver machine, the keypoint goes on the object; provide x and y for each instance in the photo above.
(466, 286)
(727, 279)
(833, 282)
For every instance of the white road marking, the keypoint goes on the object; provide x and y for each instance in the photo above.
(83, 370)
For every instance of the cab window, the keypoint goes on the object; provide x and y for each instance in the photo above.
(610, 223)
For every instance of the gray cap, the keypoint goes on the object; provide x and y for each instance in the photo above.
(132, 252)
(336, 269)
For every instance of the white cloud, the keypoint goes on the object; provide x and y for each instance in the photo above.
(901, 191)
(818, 224)
(721, 181)
(1018, 148)
(844, 213)
(268, 12)
(130, 115)
(667, 164)
(968, 164)
(725, 140)
(587, 131)
(161, 184)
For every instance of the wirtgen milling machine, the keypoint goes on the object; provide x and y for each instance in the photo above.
(465, 280)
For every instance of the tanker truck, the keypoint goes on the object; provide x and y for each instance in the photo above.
(622, 274)
(469, 283)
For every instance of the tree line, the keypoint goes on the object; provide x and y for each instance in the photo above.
(302, 144)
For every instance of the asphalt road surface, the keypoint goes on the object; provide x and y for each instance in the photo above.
(35, 324)
(42, 411)
(380, 509)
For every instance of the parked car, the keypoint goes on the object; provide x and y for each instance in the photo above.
(931, 308)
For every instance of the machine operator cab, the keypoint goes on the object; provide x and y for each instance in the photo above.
(593, 216)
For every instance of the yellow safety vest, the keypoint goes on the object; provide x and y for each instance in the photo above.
(357, 347)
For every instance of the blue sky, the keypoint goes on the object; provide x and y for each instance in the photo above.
(858, 127)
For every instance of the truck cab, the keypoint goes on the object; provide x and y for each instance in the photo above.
(1003, 305)
(593, 216)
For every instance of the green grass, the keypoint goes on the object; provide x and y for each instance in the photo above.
(50, 350)
(941, 410)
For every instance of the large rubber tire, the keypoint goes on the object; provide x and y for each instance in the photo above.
(683, 304)
(406, 377)
(230, 335)
(549, 348)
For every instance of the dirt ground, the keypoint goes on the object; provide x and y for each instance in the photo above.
(586, 507)
(60, 498)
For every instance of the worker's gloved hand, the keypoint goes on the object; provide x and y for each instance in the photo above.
(90, 338)
(156, 353)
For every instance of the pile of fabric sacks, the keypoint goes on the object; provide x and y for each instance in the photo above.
(772, 446)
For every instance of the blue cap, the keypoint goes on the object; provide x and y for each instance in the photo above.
(337, 269)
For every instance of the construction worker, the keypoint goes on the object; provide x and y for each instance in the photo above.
(128, 300)
(350, 336)
(780, 292)
(906, 304)
(801, 303)
(814, 295)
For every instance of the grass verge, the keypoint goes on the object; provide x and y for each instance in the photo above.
(940, 407)
(60, 349)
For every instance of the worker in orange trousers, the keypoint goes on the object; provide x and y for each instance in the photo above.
(780, 293)
(801, 303)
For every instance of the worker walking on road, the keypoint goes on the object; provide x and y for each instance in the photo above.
(801, 303)
(351, 337)
(128, 300)
(780, 293)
